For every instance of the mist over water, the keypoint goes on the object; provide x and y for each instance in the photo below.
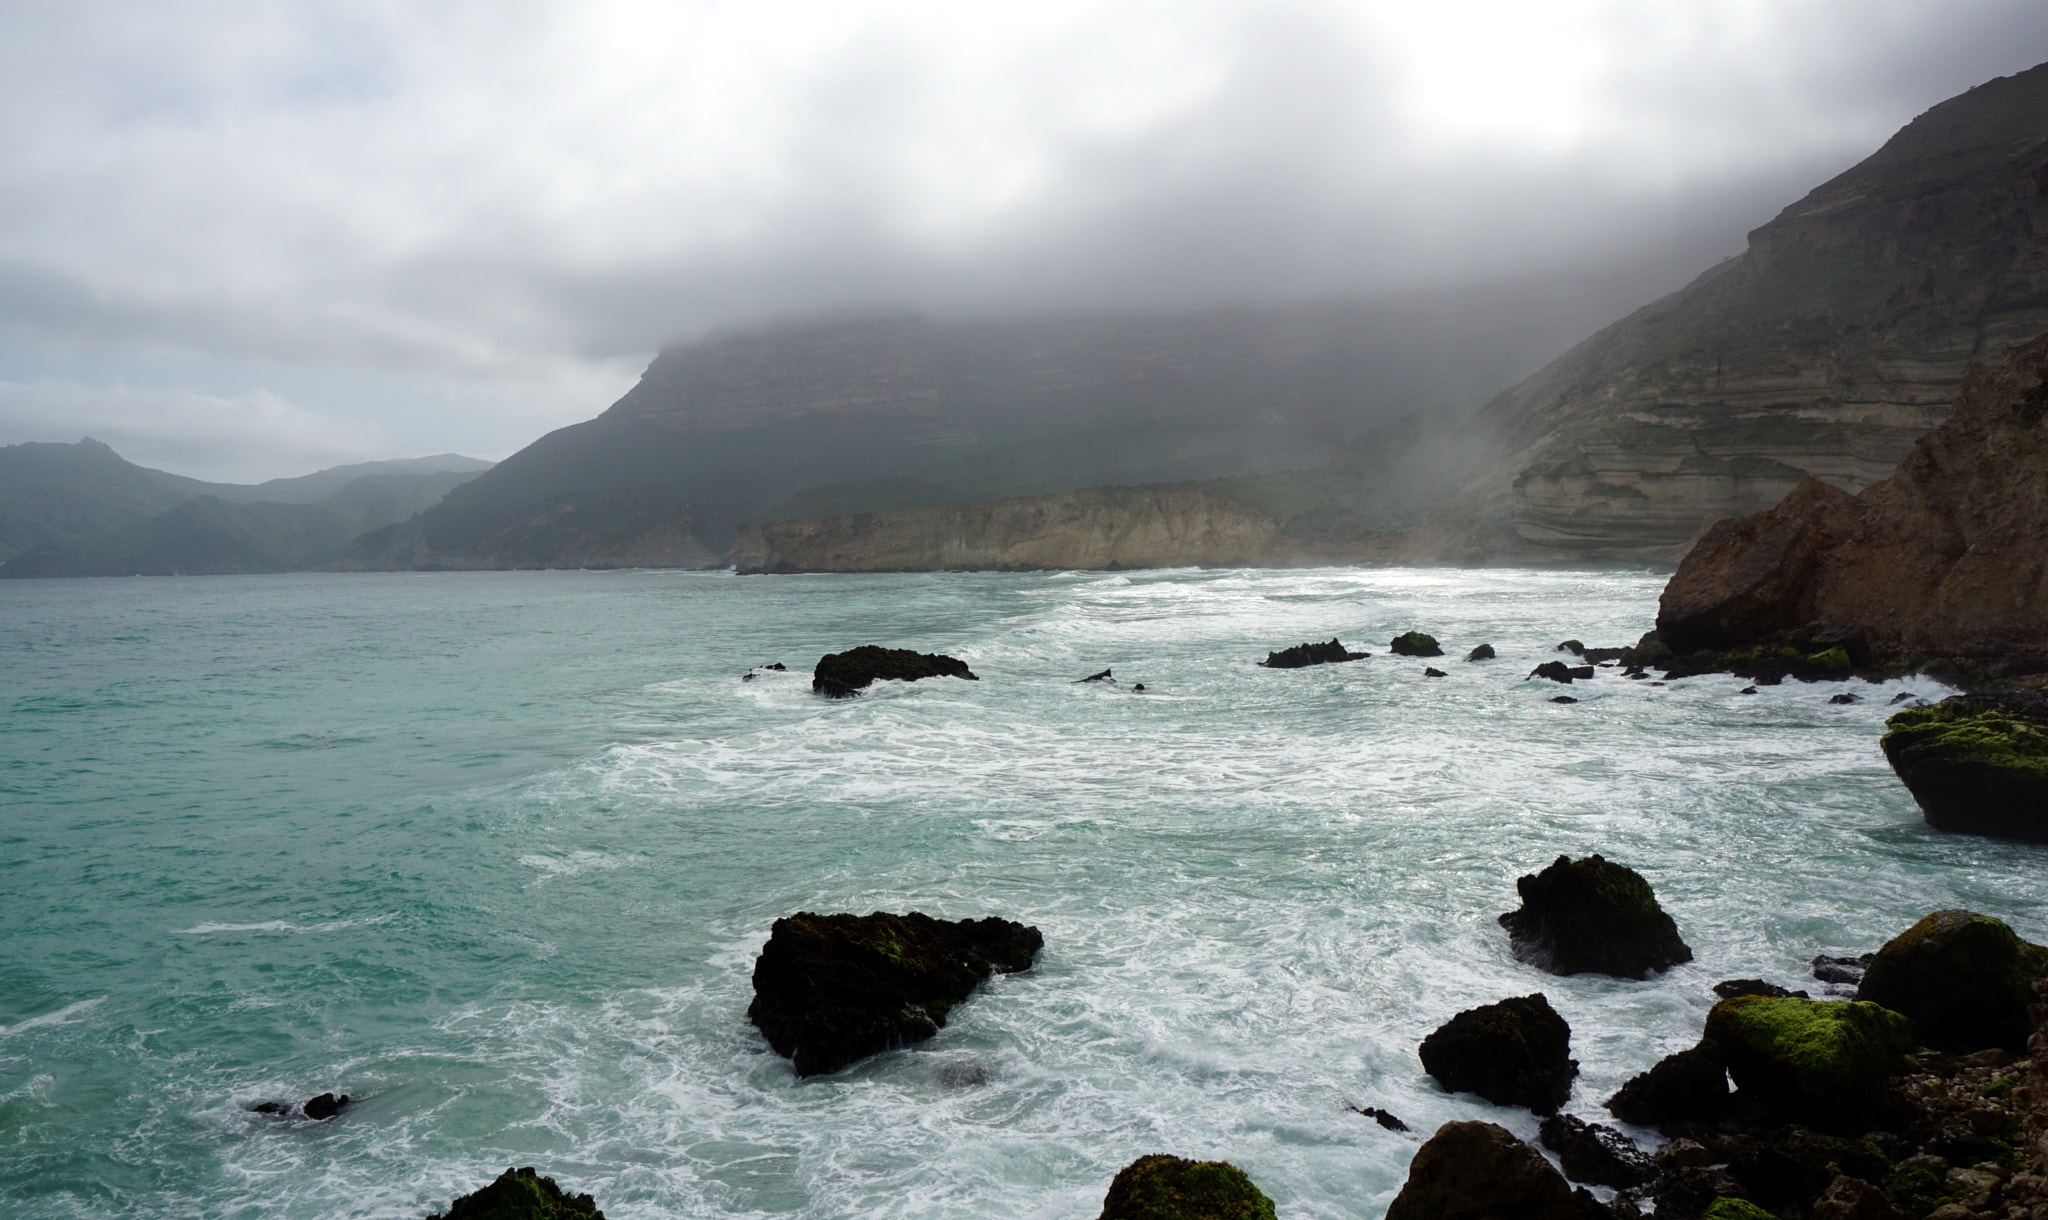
(494, 853)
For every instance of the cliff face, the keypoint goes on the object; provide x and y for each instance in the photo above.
(1127, 527)
(1950, 554)
(1823, 351)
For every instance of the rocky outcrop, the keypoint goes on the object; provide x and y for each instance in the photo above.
(1173, 1188)
(1593, 915)
(1514, 1053)
(1823, 1062)
(1822, 352)
(842, 675)
(831, 989)
(1118, 527)
(1689, 1086)
(1480, 1171)
(1976, 764)
(1414, 644)
(1964, 979)
(521, 1194)
(1483, 652)
(1590, 1152)
(1945, 557)
(1303, 655)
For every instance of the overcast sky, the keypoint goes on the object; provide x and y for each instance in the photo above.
(241, 240)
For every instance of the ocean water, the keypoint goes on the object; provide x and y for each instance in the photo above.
(494, 853)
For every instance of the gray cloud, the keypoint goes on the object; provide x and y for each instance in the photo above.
(502, 208)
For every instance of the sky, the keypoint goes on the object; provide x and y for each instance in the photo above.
(248, 240)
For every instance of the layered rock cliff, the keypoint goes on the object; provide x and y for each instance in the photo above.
(1823, 351)
(1947, 556)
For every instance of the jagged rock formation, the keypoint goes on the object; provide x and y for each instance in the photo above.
(1821, 352)
(1947, 556)
(1120, 527)
(521, 1194)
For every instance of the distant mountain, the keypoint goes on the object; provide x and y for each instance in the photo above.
(1835, 341)
(80, 510)
(870, 413)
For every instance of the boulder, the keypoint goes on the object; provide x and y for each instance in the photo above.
(1589, 915)
(1172, 1188)
(1976, 764)
(1414, 644)
(1795, 1165)
(1573, 647)
(1848, 1198)
(521, 1194)
(327, 1105)
(840, 675)
(1734, 987)
(1431, 671)
(1842, 969)
(1482, 653)
(1480, 1171)
(1823, 1062)
(830, 989)
(1590, 1152)
(1514, 1053)
(1725, 1208)
(1558, 671)
(1303, 655)
(1690, 1086)
(1965, 979)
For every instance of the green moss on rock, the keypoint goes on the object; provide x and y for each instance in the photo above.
(1415, 644)
(1977, 764)
(1592, 915)
(1965, 980)
(1725, 1208)
(521, 1194)
(1823, 1062)
(1174, 1188)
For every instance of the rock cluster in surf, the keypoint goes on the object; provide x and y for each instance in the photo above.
(840, 675)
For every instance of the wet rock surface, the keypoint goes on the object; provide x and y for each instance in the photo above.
(521, 1194)
(1414, 644)
(1173, 1188)
(1691, 1085)
(1483, 652)
(843, 674)
(1514, 1053)
(1964, 979)
(1596, 1154)
(1303, 655)
(1480, 1171)
(1823, 1062)
(831, 989)
(1976, 764)
(1591, 915)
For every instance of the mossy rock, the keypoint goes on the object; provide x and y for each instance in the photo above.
(1823, 1062)
(830, 989)
(1414, 644)
(1480, 1171)
(521, 1194)
(1725, 1208)
(1976, 764)
(1173, 1188)
(1593, 916)
(841, 675)
(1965, 979)
(1514, 1053)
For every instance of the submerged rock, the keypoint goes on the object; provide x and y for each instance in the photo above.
(1589, 915)
(1101, 677)
(1303, 655)
(521, 1194)
(1480, 1171)
(1562, 699)
(1431, 671)
(1690, 1086)
(1590, 1152)
(842, 674)
(830, 989)
(1976, 764)
(327, 1105)
(1173, 1188)
(1734, 987)
(1482, 653)
(1823, 1062)
(1382, 1117)
(1514, 1053)
(1558, 671)
(1965, 980)
(758, 670)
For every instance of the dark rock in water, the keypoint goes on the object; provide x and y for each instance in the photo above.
(1841, 969)
(272, 1107)
(1482, 653)
(1303, 655)
(1480, 1171)
(1431, 671)
(758, 670)
(1845, 697)
(1514, 1053)
(327, 1105)
(1906, 696)
(1414, 644)
(1747, 690)
(1604, 655)
(1556, 671)
(1964, 979)
(841, 674)
(1821, 1062)
(1380, 1116)
(1593, 1153)
(1591, 915)
(1690, 1086)
(1562, 699)
(1735, 987)
(1573, 647)
(1101, 677)
(1171, 1188)
(521, 1194)
(963, 1075)
(830, 989)
(1976, 764)
(1138, 687)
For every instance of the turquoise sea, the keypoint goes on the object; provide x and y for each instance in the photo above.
(494, 852)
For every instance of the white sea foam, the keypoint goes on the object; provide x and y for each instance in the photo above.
(62, 1016)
